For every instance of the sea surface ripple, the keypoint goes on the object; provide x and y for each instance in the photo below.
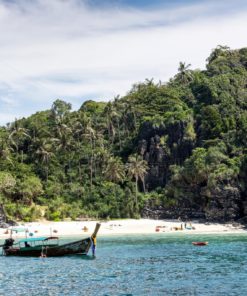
(157, 264)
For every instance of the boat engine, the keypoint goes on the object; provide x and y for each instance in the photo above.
(8, 243)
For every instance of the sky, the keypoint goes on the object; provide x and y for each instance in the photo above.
(76, 50)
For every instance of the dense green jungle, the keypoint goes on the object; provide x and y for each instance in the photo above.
(164, 150)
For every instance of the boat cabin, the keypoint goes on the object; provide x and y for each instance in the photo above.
(37, 242)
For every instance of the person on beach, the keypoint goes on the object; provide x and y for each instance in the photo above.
(85, 229)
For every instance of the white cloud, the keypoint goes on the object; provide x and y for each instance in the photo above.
(70, 50)
(8, 101)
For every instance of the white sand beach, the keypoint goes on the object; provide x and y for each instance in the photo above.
(118, 227)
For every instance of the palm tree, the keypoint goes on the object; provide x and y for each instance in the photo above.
(123, 117)
(115, 170)
(80, 132)
(17, 133)
(111, 113)
(184, 75)
(65, 144)
(44, 153)
(137, 168)
(5, 150)
(83, 131)
(64, 133)
(117, 117)
(91, 135)
(130, 116)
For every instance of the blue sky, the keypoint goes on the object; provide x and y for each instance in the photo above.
(92, 49)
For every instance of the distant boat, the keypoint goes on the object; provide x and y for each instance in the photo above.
(48, 246)
(200, 243)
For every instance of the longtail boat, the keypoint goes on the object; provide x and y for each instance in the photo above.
(49, 246)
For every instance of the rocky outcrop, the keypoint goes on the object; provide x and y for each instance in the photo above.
(166, 145)
(160, 147)
(149, 146)
(3, 218)
(225, 205)
(173, 212)
(157, 160)
(4, 222)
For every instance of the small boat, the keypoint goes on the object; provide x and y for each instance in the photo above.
(48, 246)
(200, 243)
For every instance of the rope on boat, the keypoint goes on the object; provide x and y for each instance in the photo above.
(43, 254)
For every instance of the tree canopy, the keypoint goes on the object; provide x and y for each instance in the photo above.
(181, 144)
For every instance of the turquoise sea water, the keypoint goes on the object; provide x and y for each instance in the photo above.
(157, 264)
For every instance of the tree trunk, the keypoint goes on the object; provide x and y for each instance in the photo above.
(91, 164)
(144, 187)
(119, 137)
(79, 171)
(136, 191)
(91, 173)
(47, 173)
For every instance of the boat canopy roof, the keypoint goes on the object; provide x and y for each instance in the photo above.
(36, 239)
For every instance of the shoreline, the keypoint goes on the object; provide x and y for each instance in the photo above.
(120, 227)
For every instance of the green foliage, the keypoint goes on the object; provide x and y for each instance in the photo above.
(87, 163)
(23, 212)
(7, 182)
(30, 188)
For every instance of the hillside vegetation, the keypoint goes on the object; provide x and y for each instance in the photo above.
(164, 150)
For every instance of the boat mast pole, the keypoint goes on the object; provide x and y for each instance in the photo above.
(97, 227)
(93, 238)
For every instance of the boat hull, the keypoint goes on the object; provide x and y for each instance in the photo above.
(200, 243)
(78, 247)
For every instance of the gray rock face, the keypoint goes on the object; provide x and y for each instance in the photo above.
(4, 222)
(245, 207)
(150, 148)
(160, 155)
(156, 158)
(3, 218)
(225, 205)
(2, 215)
(173, 212)
(226, 202)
